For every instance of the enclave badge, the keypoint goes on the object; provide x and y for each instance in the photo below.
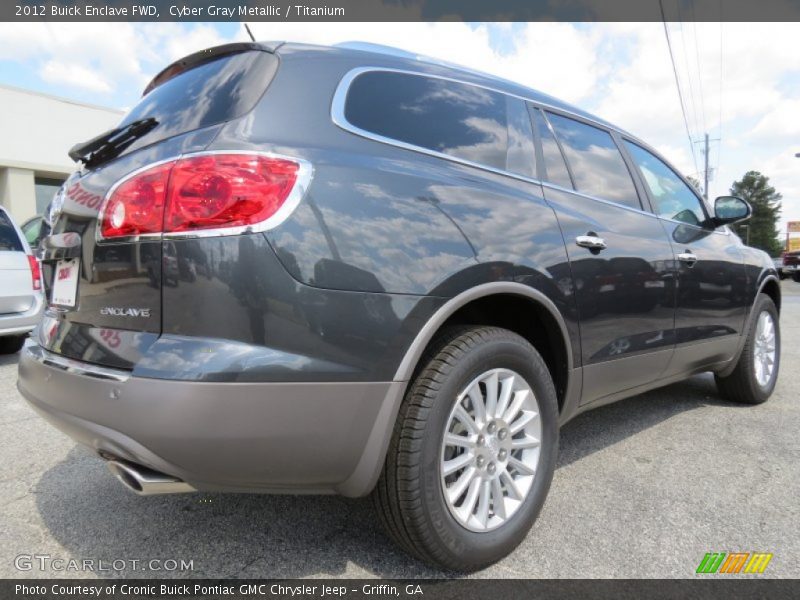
(125, 312)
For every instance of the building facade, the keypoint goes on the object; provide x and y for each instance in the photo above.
(36, 132)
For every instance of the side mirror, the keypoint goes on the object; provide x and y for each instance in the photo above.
(730, 209)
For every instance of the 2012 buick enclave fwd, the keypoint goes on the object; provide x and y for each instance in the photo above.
(306, 269)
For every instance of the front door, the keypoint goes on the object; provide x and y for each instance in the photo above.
(712, 288)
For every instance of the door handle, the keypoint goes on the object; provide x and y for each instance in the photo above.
(688, 257)
(591, 241)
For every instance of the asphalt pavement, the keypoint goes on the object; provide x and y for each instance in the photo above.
(644, 488)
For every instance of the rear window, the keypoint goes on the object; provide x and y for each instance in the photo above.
(461, 120)
(9, 240)
(220, 90)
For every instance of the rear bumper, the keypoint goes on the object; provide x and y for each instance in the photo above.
(251, 437)
(17, 323)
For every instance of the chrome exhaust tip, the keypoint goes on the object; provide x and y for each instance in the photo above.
(147, 482)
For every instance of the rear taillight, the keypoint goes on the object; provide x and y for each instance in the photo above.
(36, 273)
(226, 192)
(136, 206)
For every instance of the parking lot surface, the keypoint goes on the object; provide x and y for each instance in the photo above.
(644, 488)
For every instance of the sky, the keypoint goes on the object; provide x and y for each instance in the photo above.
(740, 82)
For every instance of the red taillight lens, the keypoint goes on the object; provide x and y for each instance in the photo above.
(137, 205)
(214, 191)
(227, 190)
(36, 272)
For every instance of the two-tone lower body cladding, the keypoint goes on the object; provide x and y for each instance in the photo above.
(256, 383)
(264, 437)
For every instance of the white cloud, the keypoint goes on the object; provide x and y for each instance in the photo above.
(544, 55)
(781, 123)
(103, 57)
(783, 169)
(620, 71)
(73, 75)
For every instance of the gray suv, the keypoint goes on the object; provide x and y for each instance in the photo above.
(302, 269)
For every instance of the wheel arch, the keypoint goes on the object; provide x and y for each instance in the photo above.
(364, 477)
(545, 329)
(771, 287)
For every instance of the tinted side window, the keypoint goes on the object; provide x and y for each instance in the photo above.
(521, 153)
(672, 197)
(457, 119)
(554, 165)
(31, 230)
(8, 235)
(34, 231)
(596, 163)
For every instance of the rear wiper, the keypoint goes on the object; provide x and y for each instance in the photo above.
(109, 144)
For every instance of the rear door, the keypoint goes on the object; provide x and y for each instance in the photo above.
(105, 296)
(712, 297)
(16, 291)
(620, 256)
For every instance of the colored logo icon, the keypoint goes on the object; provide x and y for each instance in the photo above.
(732, 563)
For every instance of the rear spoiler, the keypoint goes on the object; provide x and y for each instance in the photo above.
(204, 56)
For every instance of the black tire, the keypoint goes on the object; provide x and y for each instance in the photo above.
(741, 385)
(796, 276)
(11, 344)
(409, 496)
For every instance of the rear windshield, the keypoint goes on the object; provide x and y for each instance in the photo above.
(220, 90)
(9, 240)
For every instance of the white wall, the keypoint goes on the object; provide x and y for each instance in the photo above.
(37, 130)
(17, 193)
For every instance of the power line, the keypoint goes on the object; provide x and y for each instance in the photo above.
(678, 84)
(721, 72)
(699, 71)
(690, 100)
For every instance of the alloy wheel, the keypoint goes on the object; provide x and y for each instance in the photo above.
(764, 349)
(490, 450)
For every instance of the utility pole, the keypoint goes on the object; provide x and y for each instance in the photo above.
(706, 141)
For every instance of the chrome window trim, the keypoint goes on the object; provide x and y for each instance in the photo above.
(560, 188)
(339, 119)
(45, 357)
(629, 208)
(339, 97)
(305, 173)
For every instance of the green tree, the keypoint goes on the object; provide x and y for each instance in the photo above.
(766, 202)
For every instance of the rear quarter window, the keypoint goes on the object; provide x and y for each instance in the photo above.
(457, 119)
(9, 240)
(220, 90)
